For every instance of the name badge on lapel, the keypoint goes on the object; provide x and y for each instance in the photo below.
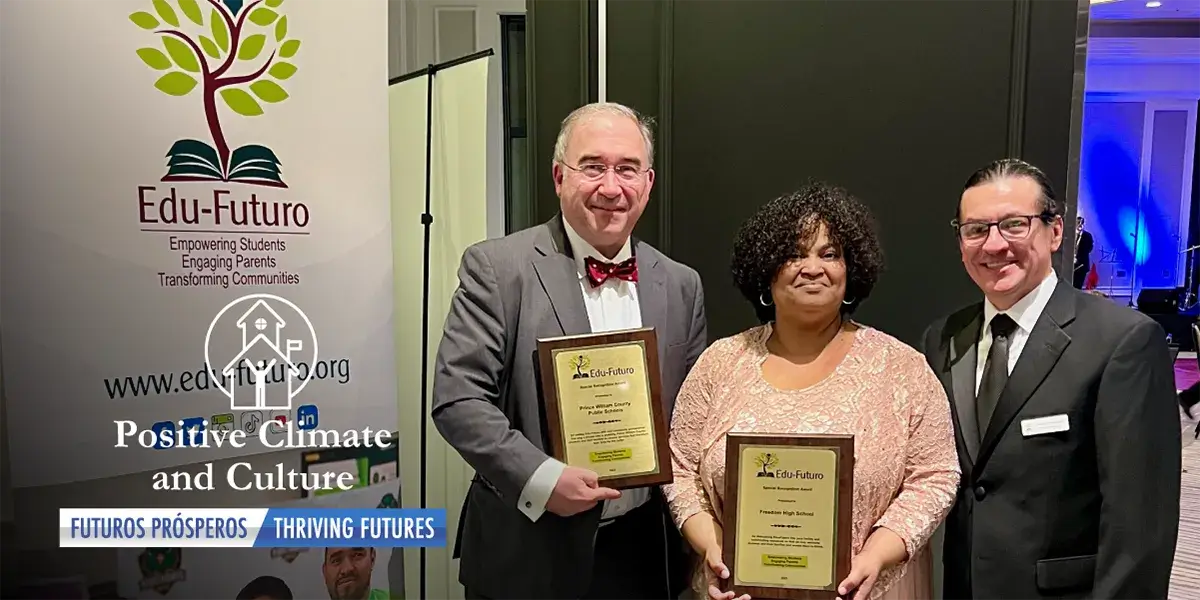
(1044, 425)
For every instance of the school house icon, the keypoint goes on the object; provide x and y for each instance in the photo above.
(270, 366)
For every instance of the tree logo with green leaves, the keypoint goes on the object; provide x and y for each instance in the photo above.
(766, 462)
(579, 363)
(240, 56)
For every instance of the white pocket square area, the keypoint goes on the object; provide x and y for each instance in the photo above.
(1044, 425)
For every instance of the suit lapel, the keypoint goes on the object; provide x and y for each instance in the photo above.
(560, 279)
(961, 355)
(1042, 350)
(651, 292)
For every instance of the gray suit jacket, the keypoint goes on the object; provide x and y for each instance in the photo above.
(486, 403)
(1090, 512)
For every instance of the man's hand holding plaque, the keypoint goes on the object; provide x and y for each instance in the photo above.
(604, 411)
(578, 490)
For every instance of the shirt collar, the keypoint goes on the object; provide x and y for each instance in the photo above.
(581, 250)
(1027, 310)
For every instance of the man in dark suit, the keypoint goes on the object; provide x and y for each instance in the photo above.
(532, 527)
(1083, 254)
(1065, 415)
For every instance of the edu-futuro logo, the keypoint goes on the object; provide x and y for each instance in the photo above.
(231, 52)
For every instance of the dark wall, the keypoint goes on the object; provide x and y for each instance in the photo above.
(897, 101)
(558, 70)
(635, 62)
(562, 71)
(1051, 102)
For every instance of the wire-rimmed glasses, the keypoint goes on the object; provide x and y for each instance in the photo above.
(596, 171)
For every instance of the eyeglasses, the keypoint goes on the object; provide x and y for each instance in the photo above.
(1013, 229)
(596, 171)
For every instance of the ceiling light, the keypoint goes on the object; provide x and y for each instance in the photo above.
(1153, 4)
(1103, 1)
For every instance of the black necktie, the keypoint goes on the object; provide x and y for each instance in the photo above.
(995, 371)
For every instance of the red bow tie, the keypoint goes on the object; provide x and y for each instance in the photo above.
(598, 272)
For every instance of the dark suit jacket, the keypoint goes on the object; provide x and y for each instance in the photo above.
(1083, 258)
(486, 403)
(1091, 512)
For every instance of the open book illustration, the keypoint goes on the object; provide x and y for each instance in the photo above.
(194, 160)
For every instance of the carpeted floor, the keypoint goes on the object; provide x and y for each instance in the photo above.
(1185, 577)
(1187, 371)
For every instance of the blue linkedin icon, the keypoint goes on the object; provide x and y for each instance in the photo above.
(306, 417)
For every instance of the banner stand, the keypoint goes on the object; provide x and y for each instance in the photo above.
(427, 224)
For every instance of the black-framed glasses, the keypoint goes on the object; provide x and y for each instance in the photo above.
(1013, 229)
(596, 171)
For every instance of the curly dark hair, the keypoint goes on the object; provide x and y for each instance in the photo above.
(773, 235)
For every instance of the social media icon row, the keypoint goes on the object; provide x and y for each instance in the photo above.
(307, 417)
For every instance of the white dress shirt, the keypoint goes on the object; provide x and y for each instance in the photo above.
(1025, 312)
(612, 306)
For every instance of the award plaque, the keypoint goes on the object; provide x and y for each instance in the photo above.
(788, 501)
(604, 412)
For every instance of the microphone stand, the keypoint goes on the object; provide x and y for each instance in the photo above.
(1137, 231)
(1189, 281)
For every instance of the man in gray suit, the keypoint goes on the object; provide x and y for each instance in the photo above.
(1064, 412)
(532, 527)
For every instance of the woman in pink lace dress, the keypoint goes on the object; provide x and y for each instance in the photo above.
(806, 261)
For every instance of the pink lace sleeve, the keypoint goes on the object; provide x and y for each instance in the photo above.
(931, 472)
(685, 494)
